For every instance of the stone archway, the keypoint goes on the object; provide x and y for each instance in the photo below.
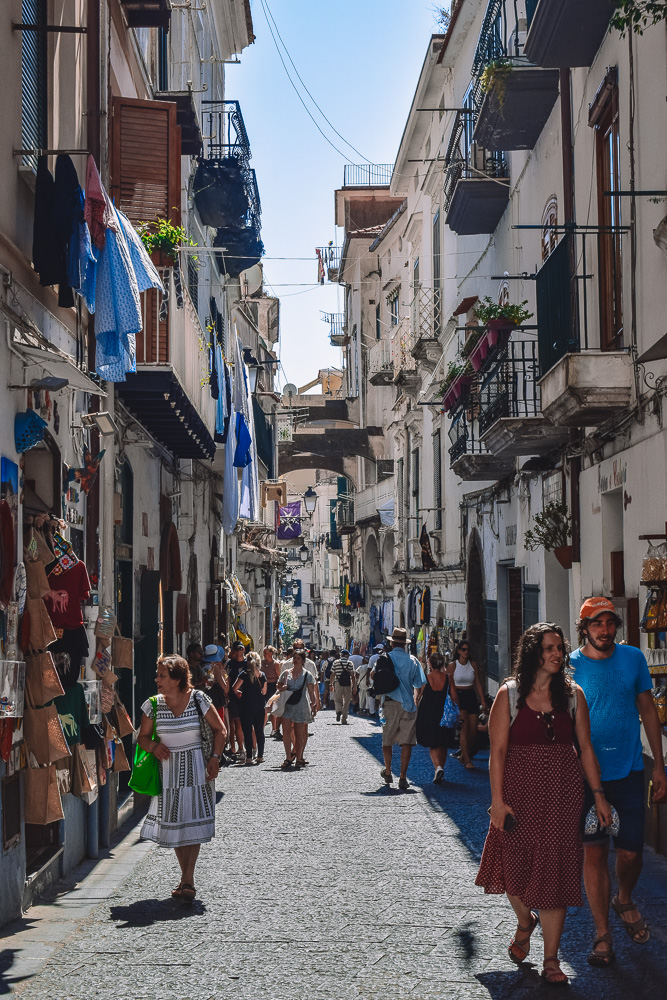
(476, 627)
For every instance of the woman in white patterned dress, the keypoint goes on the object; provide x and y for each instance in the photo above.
(183, 815)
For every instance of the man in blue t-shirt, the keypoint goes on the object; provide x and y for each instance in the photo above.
(400, 709)
(618, 686)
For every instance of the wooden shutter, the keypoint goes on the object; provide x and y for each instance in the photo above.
(146, 160)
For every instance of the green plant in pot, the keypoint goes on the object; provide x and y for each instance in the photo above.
(552, 531)
(163, 237)
(493, 80)
(472, 340)
(500, 320)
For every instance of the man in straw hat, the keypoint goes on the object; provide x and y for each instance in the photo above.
(400, 709)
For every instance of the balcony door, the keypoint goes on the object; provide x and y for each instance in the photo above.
(604, 118)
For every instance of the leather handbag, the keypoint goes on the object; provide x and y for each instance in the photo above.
(42, 803)
(146, 777)
(44, 735)
(42, 680)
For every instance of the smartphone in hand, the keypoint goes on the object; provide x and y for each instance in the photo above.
(511, 822)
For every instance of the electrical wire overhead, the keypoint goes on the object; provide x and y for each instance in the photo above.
(269, 20)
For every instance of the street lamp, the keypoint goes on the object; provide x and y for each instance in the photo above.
(295, 588)
(303, 553)
(309, 500)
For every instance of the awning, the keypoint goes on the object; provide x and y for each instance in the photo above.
(656, 352)
(61, 366)
(465, 305)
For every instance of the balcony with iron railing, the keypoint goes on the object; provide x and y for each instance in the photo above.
(476, 180)
(337, 334)
(405, 363)
(328, 262)
(170, 392)
(380, 363)
(367, 174)
(426, 322)
(566, 32)
(469, 457)
(513, 97)
(345, 522)
(586, 375)
(510, 419)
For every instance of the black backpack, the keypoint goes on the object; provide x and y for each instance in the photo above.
(344, 678)
(385, 680)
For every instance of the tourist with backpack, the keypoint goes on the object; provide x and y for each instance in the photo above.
(533, 850)
(397, 678)
(344, 683)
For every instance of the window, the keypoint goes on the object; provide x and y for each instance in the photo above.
(378, 323)
(437, 277)
(491, 639)
(392, 305)
(437, 481)
(415, 274)
(531, 605)
(549, 223)
(415, 488)
(603, 117)
(34, 108)
(162, 59)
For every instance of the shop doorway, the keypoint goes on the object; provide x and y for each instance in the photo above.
(475, 613)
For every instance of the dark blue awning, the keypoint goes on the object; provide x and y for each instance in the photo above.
(160, 404)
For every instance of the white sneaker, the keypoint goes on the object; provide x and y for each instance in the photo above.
(439, 775)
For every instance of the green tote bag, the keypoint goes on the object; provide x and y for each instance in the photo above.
(146, 777)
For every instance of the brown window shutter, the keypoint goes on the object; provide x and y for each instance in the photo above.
(146, 160)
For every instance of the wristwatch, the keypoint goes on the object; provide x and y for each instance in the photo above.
(216, 755)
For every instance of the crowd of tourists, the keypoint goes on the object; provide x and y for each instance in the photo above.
(566, 761)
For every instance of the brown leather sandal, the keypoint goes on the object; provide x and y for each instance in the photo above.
(188, 892)
(554, 975)
(520, 954)
(633, 927)
(601, 959)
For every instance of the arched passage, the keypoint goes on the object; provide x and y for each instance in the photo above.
(372, 570)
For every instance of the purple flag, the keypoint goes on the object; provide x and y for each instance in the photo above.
(289, 521)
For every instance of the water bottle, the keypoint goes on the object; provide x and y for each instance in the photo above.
(383, 721)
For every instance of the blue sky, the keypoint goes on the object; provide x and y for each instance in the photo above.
(360, 59)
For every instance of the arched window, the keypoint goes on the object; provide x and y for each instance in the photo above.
(549, 223)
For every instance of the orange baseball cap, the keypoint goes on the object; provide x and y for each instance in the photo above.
(595, 606)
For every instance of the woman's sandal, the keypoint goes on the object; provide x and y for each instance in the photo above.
(303, 763)
(178, 891)
(601, 959)
(188, 892)
(520, 954)
(287, 764)
(633, 927)
(553, 976)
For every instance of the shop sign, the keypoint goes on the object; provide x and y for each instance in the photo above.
(614, 478)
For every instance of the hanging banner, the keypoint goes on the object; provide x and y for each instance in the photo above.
(288, 521)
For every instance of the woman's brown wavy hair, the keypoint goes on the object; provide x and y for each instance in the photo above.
(527, 661)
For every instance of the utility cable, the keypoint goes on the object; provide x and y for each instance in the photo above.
(268, 9)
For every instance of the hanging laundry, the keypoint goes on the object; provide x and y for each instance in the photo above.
(428, 562)
(144, 269)
(87, 475)
(45, 257)
(425, 615)
(250, 477)
(99, 211)
(230, 498)
(242, 455)
(68, 212)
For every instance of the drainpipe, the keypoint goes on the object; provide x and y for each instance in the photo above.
(569, 217)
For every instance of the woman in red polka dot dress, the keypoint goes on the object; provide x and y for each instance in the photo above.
(533, 848)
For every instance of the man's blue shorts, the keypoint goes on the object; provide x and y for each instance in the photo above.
(626, 795)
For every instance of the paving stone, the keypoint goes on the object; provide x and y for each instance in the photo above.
(321, 885)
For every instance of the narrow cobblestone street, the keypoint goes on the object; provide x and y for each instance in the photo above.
(321, 884)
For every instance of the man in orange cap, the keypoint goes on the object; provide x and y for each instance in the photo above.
(616, 681)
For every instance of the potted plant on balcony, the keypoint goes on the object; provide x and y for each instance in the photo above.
(553, 528)
(493, 80)
(500, 320)
(163, 240)
(459, 376)
(476, 347)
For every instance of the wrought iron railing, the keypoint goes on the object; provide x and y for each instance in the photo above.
(379, 359)
(336, 323)
(510, 388)
(425, 312)
(328, 260)
(402, 342)
(367, 174)
(226, 131)
(344, 514)
(464, 433)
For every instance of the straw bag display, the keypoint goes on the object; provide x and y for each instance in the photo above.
(42, 633)
(83, 776)
(42, 681)
(120, 719)
(44, 735)
(42, 797)
(105, 626)
(120, 761)
(122, 652)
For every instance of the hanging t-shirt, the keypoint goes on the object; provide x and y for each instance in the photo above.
(611, 687)
(77, 585)
(73, 711)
